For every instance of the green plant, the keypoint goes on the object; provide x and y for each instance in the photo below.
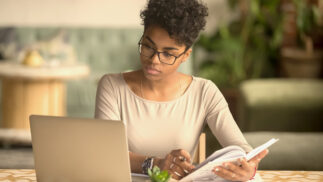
(245, 48)
(307, 21)
(158, 176)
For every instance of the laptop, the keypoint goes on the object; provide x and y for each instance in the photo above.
(79, 149)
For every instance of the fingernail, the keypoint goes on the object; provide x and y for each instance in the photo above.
(217, 169)
(181, 158)
(239, 162)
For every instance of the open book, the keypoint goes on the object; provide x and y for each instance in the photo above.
(203, 172)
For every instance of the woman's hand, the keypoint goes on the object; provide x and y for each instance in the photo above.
(243, 172)
(177, 163)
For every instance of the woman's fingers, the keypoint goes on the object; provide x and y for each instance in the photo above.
(174, 175)
(182, 155)
(260, 156)
(263, 153)
(226, 174)
(240, 172)
(177, 163)
(186, 166)
(177, 170)
(182, 159)
(236, 171)
(235, 168)
(247, 165)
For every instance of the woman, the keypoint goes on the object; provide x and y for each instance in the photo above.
(164, 110)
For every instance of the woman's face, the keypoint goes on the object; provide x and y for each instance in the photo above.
(156, 38)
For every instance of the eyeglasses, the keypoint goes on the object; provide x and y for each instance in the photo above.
(164, 57)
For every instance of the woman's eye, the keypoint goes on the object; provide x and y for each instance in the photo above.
(147, 46)
(166, 54)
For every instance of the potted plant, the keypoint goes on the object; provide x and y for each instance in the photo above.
(246, 48)
(156, 175)
(303, 57)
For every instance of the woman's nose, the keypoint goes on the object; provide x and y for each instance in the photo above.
(155, 58)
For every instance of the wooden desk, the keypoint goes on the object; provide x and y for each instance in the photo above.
(313, 176)
(34, 90)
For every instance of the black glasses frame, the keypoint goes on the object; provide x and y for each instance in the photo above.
(158, 53)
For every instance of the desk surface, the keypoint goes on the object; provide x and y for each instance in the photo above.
(313, 176)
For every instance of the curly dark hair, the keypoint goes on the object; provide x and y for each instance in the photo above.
(182, 19)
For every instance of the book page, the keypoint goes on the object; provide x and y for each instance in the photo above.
(203, 172)
(235, 151)
(259, 149)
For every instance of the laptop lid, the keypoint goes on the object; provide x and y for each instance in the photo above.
(79, 149)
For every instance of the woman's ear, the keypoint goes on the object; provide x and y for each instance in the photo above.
(186, 55)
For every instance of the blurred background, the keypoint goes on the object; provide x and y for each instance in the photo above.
(265, 56)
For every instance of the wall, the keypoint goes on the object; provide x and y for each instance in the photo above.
(71, 12)
(111, 13)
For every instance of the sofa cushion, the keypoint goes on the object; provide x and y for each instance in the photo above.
(281, 105)
(293, 151)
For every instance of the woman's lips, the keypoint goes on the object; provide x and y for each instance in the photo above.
(152, 71)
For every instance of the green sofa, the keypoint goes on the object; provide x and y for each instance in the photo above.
(288, 109)
(281, 105)
(293, 151)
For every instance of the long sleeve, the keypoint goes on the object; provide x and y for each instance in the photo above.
(107, 105)
(220, 120)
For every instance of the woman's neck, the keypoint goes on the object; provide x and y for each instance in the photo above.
(161, 84)
(168, 88)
